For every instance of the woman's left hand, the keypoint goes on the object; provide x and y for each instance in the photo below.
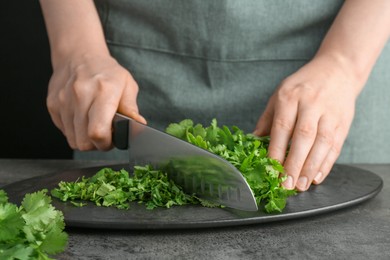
(310, 113)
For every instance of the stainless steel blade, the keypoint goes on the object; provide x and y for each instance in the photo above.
(196, 170)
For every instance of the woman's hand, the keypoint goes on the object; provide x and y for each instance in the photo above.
(85, 93)
(312, 111)
(88, 86)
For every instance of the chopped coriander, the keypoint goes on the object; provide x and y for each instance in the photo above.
(116, 188)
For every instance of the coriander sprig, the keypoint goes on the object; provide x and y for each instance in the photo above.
(34, 230)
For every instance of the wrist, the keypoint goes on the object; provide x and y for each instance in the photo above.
(347, 66)
(65, 51)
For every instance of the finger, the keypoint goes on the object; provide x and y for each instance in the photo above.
(83, 141)
(83, 100)
(53, 103)
(66, 115)
(263, 126)
(334, 152)
(100, 116)
(301, 143)
(128, 102)
(67, 121)
(318, 153)
(282, 129)
(56, 118)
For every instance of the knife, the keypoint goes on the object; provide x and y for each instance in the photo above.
(197, 170)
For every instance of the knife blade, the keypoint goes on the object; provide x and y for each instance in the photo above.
(195, 169)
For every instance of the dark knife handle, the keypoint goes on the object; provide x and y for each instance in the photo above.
(120, 133)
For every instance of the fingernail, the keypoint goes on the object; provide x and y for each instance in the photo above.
(318, 178)
(256, 132)
(142, 119)
(288, 183)
(136, 116)
(302, 183)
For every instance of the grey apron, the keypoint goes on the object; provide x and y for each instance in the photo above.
(223, 59)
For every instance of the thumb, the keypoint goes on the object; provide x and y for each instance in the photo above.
(128, 102)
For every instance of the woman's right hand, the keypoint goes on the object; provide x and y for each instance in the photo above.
(83, 96)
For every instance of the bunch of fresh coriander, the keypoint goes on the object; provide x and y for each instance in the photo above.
(34, 230)
(246, 152)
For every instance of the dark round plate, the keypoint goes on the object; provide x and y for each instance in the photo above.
(345, 186)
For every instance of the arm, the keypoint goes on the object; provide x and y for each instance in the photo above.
(314, 107)
(358, 35)
(87, 86)
(74, 28)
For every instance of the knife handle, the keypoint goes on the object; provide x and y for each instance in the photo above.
(120, 133)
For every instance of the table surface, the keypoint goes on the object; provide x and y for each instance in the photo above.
(358, 232)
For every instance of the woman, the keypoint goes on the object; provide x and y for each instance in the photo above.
(286, 69)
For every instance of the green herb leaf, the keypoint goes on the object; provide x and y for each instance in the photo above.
(11, 222)
(32, 231)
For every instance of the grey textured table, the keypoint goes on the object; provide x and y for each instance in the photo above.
(358, 232)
